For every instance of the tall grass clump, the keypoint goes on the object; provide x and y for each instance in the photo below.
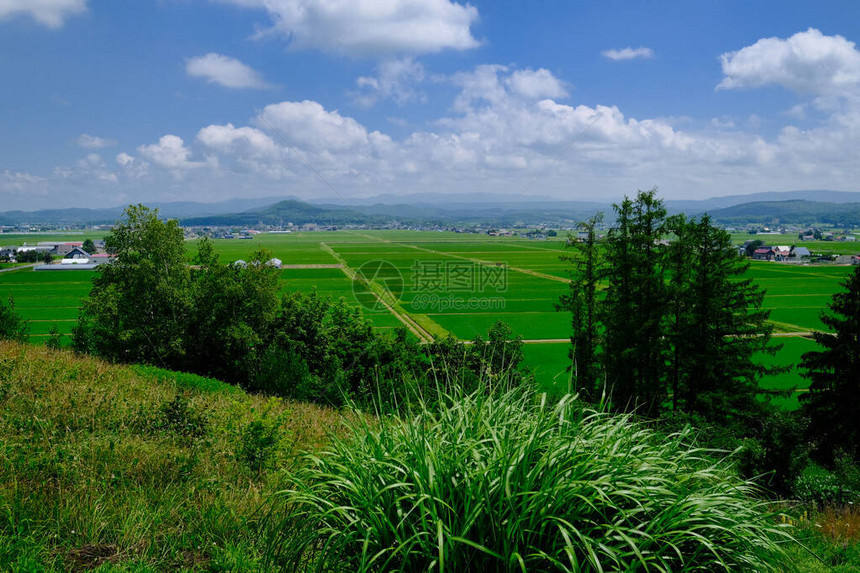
(515, 482)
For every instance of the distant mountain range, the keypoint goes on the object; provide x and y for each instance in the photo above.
(83, 216)
(790, 207)
(791, 212)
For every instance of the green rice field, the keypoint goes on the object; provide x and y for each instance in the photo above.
(449, 282)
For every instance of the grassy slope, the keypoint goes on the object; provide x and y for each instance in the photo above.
(97, 469)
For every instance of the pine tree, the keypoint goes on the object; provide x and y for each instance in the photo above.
(833, 400)
(635, 305)
(582, 302)
(717, 326)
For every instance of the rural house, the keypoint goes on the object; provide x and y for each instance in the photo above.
(77, 253)
(781, 252)
(764, 254)
(800, 253)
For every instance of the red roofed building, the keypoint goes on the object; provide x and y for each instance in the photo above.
(764, 254)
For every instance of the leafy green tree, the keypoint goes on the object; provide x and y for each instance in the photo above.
(29, 256)
(12, 326)
(499, 355)
(139, 303)
(89, 246)
(582, 302)
(833, 400)
(717, 326)
(231, 313)
(752, 246)
(452, 360)
(47, 257)
(635, 304)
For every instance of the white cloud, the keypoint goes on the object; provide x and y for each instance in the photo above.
(494, 84)
(94, 166)
(17, 182)
(536, 84)
(49, 13)
(628, 53)
(506, 131)
(371, 27)
(307, 124)
(247, 139)
(225, 71)
(131, 166)
(94, 142)
(169, 152)
(807, 62)
(395, 79)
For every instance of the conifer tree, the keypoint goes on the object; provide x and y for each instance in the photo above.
(582, 302)
(833, 400)
(635, 304)
(717, 327)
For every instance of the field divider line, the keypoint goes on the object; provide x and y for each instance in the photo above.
(486, 263)
(10, 269)
(313, 266)
(401, 315)
(790, 334)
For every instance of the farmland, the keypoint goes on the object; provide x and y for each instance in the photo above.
(449, 283)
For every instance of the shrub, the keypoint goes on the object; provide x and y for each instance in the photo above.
(12, 326)
(178, 416)
(55, 339)
(512, 482)
(261, 438)
(818, 485)
(277, 372)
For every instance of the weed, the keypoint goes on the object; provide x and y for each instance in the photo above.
(178, 416)
(513, 482)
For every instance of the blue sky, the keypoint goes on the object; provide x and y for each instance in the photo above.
(104, 103)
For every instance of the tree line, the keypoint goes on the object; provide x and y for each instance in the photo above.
(234, 323)
(664, 323)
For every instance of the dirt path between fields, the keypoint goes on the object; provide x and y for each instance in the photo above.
(27, 266)
(410, 323)
(313, 266)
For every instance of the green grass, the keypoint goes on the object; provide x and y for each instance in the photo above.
(21, 239)
(548, 362)
(47, 298)
(793, 347)
(142, 469)
(137, 468)
(517, 483)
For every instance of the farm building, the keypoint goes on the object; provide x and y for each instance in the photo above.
(781, 252)
(59, 248)
(101, 258)
(800, 253)
(75, 254)
(764, 254)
